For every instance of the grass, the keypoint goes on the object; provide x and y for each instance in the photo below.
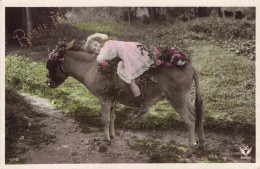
(226, 76)
(173, 152)
(159, 153)
(100, 26)
(227, 89)
(29, 77)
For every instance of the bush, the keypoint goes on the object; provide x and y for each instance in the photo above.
(224, 29)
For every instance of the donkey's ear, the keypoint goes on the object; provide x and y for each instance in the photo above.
(70, 44)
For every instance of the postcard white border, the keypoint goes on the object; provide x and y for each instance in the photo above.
(122, 3)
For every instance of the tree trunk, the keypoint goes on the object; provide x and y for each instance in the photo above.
(28, 20)
(129, 16)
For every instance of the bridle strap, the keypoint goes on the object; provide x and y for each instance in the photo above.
(62, 68)
(60, 58)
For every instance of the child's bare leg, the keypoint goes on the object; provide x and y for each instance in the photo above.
(141, 108)
(134, 88)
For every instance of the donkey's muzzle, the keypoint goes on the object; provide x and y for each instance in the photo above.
(51, 83)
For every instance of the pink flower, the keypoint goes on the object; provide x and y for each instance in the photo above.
(156, 51)
(138, 80)
(170, 52)
(158, 62)
(51, 55)
(184, 55)
(104, 64)
(178, 55)
(60, 59)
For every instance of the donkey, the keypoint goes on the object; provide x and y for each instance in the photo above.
(173, 83)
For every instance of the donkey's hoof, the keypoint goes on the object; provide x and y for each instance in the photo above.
(102, 148)
(106, 141)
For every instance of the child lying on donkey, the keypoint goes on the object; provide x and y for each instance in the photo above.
(134, 62)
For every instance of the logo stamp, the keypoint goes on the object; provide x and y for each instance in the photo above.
(245, 150)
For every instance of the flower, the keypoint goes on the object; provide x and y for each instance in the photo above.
(138, 80)
(183, 55)
(181, 63)
(153, 79)
(104, 64)
(171, 56)
(51, 55)
(178, 55)
(156, 51)
(170, 52)
(60, 59)
(178, 48)
(158, 62)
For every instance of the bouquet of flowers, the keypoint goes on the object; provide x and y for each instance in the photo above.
(168, 57)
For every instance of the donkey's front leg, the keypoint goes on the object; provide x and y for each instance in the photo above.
(105, 112)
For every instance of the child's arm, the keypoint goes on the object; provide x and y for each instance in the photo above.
(106, 54)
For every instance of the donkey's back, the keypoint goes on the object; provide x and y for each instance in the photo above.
(157, 83)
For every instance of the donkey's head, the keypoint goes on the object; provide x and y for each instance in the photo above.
(56, 73)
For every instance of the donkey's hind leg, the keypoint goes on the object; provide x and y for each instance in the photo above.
(184, 113)
(179, 103)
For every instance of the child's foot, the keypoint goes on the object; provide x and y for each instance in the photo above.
(139, 112)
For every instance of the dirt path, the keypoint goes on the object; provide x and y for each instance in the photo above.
(72, 146)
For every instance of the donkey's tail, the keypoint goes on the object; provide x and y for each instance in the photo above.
(198, 102)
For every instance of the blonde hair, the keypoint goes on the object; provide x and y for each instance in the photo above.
(96, 37)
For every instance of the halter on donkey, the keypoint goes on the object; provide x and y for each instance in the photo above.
(55, 63)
